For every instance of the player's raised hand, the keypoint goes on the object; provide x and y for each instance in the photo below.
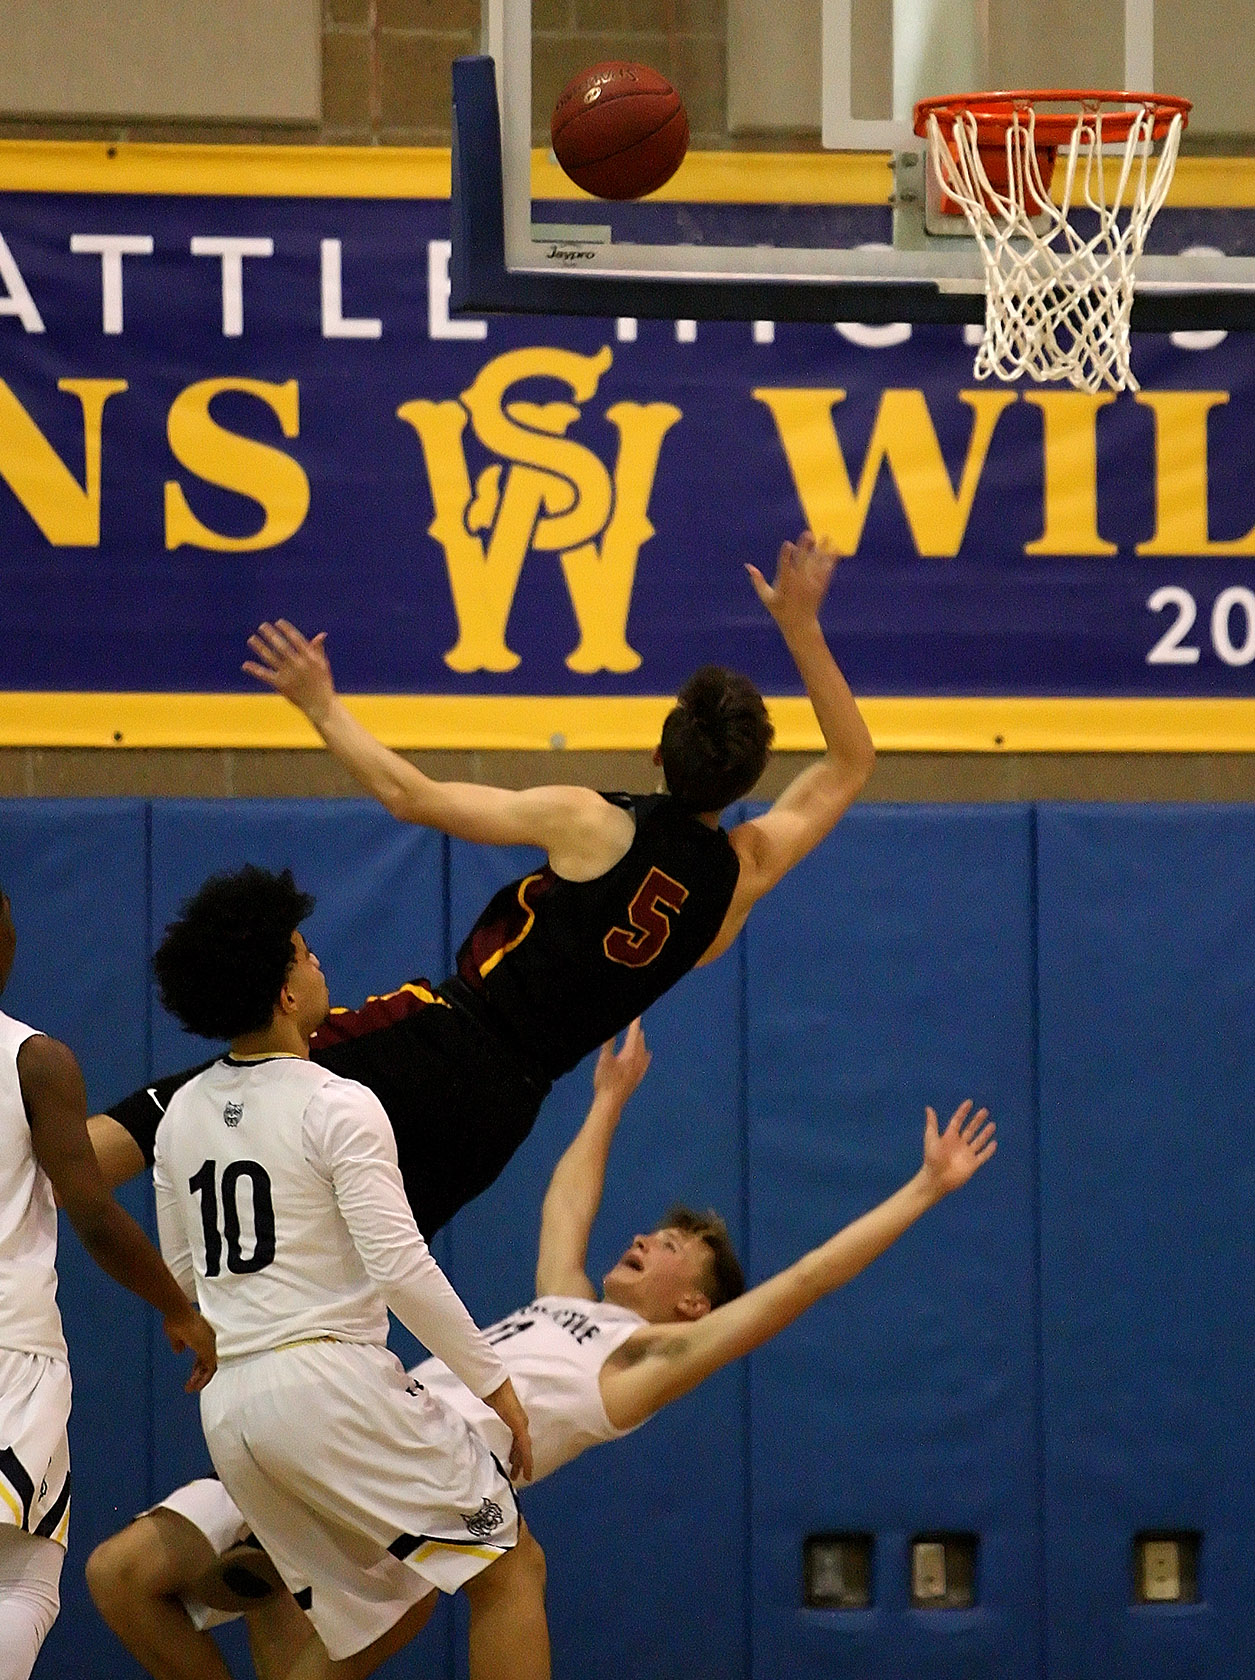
(189, 1330)
(619, 1072)
(952, 1156)
(803, 572)
(298, 669)
(505, 1402)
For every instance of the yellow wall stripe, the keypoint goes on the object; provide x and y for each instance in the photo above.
(423, 172)
(483, 723)
(230, 171)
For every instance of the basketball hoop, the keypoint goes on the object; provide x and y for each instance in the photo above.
(1058, 296)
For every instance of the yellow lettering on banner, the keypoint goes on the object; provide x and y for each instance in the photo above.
(482, 578)
(1070, 469)
(67, 512)
(267, 475)
(905, 438)
(601, 581)
(1181, 525)
(547, 495)
(578, 505)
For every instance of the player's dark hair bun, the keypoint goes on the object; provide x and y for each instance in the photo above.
(715, 740)
(223, 962)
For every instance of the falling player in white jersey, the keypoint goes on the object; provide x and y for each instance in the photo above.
(588, 1368)
(44, 1148)
(280, 1202)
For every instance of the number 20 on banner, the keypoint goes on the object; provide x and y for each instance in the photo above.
(1233, 609)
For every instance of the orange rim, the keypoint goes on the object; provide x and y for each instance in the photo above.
(996, 112)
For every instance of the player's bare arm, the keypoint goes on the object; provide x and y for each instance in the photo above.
(118, 1155)
(770, 845)
(583, 834)
(662, 1362)
(56, 1103)
(575, 1190)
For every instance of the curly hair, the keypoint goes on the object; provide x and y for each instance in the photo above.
(723, 1280)
(715, 739)
(222, 964)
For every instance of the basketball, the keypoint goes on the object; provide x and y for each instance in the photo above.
(619, 130)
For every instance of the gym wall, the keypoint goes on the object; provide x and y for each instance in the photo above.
(1054, 1362)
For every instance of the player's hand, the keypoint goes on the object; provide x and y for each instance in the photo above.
(803, 572)
(505, 1402)
(297, 668)
(619, 1072)
(189, 1330)
(952, 1156)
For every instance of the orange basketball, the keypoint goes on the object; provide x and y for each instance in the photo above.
(619, 130)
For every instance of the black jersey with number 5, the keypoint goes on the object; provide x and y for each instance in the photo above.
(559, 966)
(551, 970)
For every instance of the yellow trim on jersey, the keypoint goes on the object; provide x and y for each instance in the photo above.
(15, 1505)
(423, 993)
(486, 968)
(61, 1533)
(430, 1546)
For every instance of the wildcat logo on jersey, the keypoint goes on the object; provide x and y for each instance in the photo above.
(487, 1518)
(233, 1113)
(545, 494)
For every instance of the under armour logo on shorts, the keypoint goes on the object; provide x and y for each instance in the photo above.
(487, 1518)
(233, 1113)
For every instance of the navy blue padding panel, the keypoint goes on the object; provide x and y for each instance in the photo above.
(379, 921)
(645, 1538)
(892, 969)
(1148, 1186)
(76, 871)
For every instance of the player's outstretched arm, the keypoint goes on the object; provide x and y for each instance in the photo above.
(348, 1134)
(124, 1137)
(581, 831)
(117, 1153)
(770, 845)
(574, 1193)
(56, 1102)
(661, 1363)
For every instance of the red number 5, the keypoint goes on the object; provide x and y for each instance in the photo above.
(651, 926)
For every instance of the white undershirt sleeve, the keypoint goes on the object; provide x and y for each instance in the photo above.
(176, 1249)
(349, 1137)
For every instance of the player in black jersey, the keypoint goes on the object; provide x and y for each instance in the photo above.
(635, 892)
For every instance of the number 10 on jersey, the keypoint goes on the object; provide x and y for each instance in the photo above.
(204, 1184)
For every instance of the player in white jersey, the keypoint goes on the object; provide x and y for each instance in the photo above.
(588, 1369)
(280, 1202)
(44, 1148)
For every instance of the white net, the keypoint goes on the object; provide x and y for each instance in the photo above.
(1059, 296)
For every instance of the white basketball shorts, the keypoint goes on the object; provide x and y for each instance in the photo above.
(366, 1491)
(34, 1446)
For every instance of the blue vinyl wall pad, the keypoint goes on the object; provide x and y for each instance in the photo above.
(1084, 970)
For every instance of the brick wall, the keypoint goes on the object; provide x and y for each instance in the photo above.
(386, 64)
